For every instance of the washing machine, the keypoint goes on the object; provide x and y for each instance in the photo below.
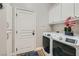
(64, 45)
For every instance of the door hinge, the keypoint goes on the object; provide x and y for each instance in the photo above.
(16, 49)
(16, 14)
(16, 32)
(1, 5)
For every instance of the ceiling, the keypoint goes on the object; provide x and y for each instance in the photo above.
(33, 6)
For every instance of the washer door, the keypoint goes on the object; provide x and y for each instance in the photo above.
(59, 52)
(60, 49)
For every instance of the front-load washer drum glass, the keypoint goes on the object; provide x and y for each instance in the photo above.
(61, 49)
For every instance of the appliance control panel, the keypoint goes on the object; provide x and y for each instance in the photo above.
(60, 38)
(71, 40)
(48, 35)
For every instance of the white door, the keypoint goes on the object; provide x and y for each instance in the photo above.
(25, 31)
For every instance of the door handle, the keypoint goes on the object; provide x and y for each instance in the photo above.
(33, 33)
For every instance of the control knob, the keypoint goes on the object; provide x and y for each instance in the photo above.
(60, 38)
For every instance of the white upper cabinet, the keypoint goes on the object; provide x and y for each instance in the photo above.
(67, 10)
(60, 12)
(55, 14)
(77, 10)
(9, 17)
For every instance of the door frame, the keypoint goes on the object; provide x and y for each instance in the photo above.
(14, 28)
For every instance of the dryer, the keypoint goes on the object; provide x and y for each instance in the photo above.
(47, 42)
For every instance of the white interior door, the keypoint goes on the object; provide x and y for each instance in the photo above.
(25, 31)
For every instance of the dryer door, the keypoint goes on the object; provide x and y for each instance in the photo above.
(46, 44)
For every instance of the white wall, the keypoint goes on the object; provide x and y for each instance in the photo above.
(3, 39)
(42, 21)
(41, 10)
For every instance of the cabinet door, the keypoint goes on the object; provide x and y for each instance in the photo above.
(55, 14)
(9, 42)
(67, 10)
(8, 8)
(76, 9)
(51, 16)
(8, 17)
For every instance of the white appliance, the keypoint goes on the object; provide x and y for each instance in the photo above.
(58, 44)
(65, 45)
(47, 42)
